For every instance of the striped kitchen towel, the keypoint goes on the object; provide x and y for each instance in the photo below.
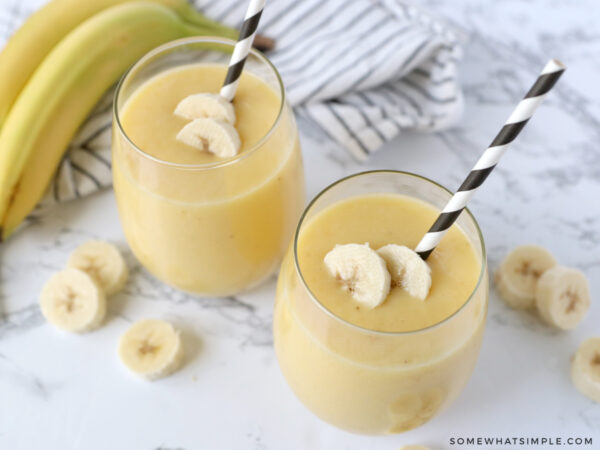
(362, 70)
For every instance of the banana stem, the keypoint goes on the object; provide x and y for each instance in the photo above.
(263, 43)
(194, 17)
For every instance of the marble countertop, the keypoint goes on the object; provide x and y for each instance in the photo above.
(61, 391)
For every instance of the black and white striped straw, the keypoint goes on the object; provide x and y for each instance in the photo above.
(242, 47)
(511, 129)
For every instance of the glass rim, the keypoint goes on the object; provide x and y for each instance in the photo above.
(180, 43)
(368, 330)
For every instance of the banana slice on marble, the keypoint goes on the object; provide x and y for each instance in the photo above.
(585, 368)
(562, 297)
(151, 348)
(104, 262)
(517, 277)
(206, 105)
(72, 301)
(361, 271)
(407, 269)
(212, 135)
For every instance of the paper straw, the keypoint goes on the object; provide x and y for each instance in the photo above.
(491, 156)
(242, 47)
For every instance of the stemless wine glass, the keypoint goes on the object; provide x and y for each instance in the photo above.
(367, 381)
(209, 229)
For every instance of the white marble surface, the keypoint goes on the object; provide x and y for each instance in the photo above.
(60, 391)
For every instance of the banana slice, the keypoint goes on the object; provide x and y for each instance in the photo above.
(72, 301)
(562, 297)
(517, 277)
(408, 269)
(206, 105)
(361, 271)
(103, 262)
(413, 409)
(215, 136)
(151, 348)
(585, 368)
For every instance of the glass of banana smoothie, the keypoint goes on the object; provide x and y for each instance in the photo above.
(205, 223)
(390, 368)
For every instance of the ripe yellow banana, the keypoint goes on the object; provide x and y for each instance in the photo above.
(64, 89)
(28, 47)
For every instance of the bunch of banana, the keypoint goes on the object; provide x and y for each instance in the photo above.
(56, 68)
(29, 46)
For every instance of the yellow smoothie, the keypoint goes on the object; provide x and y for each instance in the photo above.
(200, 223)
(391, 368)
(381, 220)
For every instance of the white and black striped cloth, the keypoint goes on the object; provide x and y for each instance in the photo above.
(363, 70)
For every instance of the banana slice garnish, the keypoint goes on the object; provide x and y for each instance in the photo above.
(562, 297)
(151, 348)
(585, 368)
(212, 135)
(407, 269)
(72, 301)
(103, 262)
(517, 277)
(361, 271)
(206, 105)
